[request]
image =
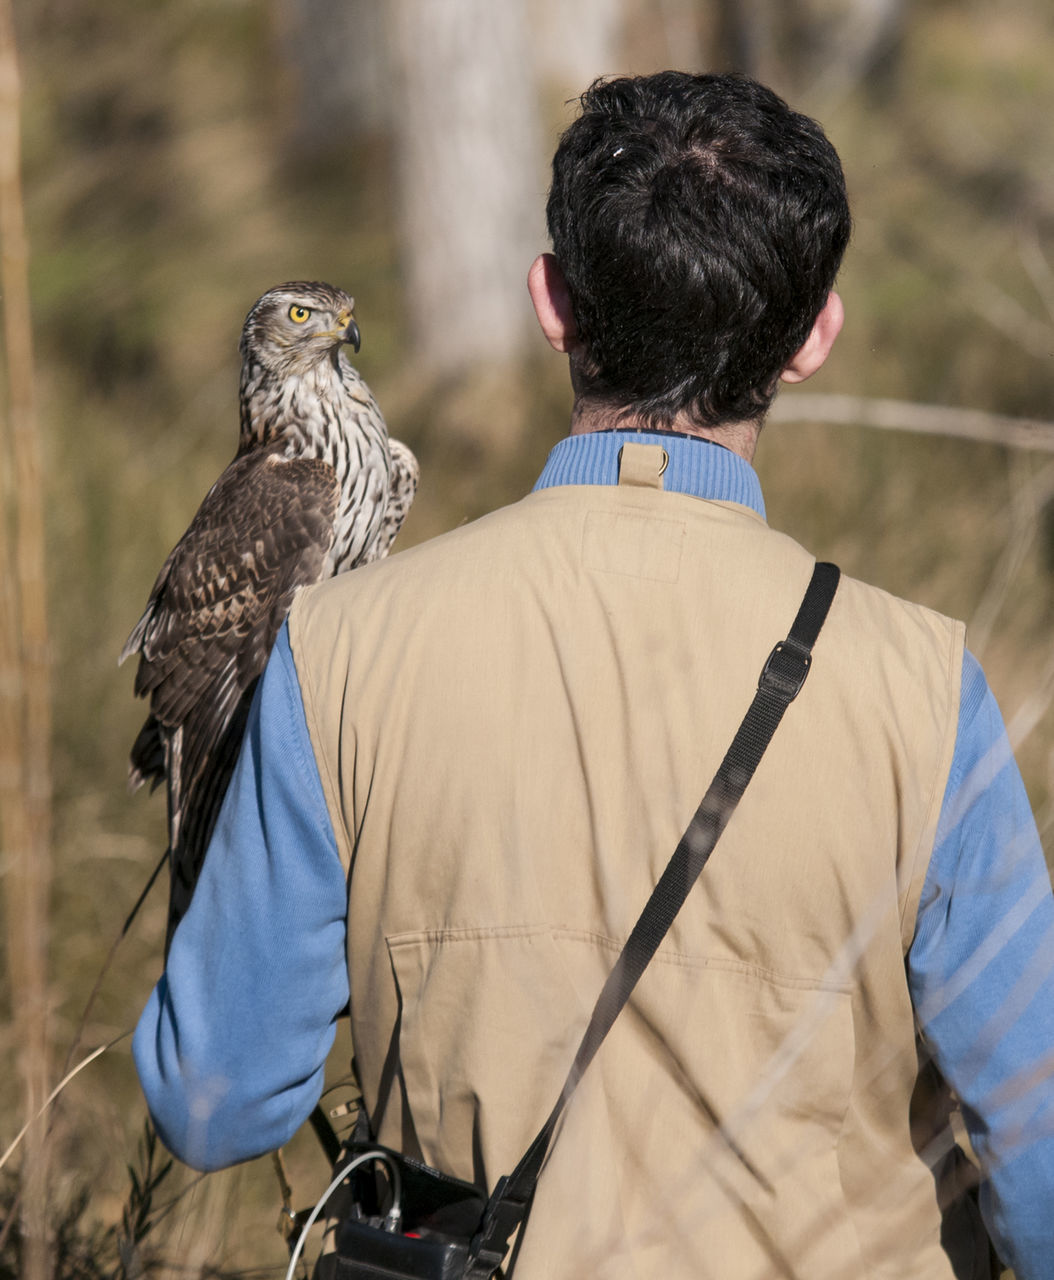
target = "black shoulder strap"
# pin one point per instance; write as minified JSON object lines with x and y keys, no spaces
{"x":779,"y":684}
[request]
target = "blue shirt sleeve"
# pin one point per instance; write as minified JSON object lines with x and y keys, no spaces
{"x":232,"y":1045}
{"x":981,"y":974}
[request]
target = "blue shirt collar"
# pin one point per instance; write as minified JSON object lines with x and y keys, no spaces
{"x":697,"y":467}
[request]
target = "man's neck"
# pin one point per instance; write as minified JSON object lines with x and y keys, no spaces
{"x":740,"y":437}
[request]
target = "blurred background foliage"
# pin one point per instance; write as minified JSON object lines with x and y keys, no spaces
{"x":182,"y":156}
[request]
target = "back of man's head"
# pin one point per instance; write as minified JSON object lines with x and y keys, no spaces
{"x":699,"y":223}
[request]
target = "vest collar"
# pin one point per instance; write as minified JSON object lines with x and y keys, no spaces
{"x":699,"y":468}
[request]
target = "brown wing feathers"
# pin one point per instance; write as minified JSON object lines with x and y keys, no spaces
{"x":262,"y":532}
{"x":316,"y":487}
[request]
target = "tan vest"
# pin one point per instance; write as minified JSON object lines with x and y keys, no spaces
{"x":513,"y":725}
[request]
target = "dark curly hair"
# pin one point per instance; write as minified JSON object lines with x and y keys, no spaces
{"x":700,"y":223}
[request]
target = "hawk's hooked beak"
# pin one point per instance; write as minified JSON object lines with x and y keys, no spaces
{"x":350,"y":330}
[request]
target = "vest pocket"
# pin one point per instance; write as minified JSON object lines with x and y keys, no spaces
{"x":705,"y":1133}
{"x":480,"y":1021}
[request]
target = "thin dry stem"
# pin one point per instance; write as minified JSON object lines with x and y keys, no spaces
{"x":1039,"y":269}
{"x":926,"y":419}
{"x":25,"y":778}
{"x":96,"y":1053}
{"x":1029,"y":495}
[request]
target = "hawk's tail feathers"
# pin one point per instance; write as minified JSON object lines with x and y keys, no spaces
{"x":146,"y":762}
{"x":134,"y":643}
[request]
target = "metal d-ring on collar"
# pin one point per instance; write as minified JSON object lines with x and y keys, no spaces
{"x":665,"y":459}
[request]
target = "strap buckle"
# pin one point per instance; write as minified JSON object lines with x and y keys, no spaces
{"x":505,"y":1211}
{"x":785,"y":671}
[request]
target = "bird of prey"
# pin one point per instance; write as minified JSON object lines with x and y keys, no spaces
{"x":316,"y":487}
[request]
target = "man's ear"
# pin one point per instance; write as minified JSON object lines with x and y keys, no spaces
{"x":817,"y":346}
{"x":552,"y":303}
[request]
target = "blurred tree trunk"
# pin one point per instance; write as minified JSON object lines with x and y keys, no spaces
{"x":861,"y":48}
{"x":25,"y":713}
{"x":821,"y":47}
{"x":471,"y":183}
{"x":337,"y":55}
{"x":576,"y":43}
{"x":744,"y":36}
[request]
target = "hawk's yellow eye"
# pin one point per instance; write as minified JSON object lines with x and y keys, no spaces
{"x":298,"y":314}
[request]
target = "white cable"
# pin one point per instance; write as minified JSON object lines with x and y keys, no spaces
{"x":393,"y":1214}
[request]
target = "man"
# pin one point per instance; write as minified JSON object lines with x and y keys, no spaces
{"x":466,"y":768}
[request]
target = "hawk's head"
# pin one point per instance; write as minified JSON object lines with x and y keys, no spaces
{"x":297,"y":325}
